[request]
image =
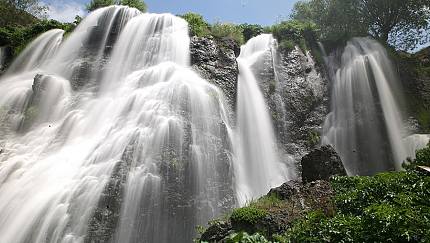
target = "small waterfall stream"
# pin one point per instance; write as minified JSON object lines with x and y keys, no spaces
{"x":259,"y":167}
{"x":365,"y":124}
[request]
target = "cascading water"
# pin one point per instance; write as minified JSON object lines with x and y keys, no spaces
{"x":112,"y":138}
{"x":38,"y":52}
{"x":258,"y":166}
{"x":365,"y":124}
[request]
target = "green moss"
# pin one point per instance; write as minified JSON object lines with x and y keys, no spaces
{"x":248,"y":215}
{"x":313,"y":139}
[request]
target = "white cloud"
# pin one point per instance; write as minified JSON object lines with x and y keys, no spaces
{"x":65,"y":11}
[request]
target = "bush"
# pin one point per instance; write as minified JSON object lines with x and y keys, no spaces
{"x":18,"y":37}
{"x":95,"y":4}
{"x":390,"y":207}
{"x":247,"y":215}
{"x":197,"y":25}
{"x":251,"y":30}
{"x":292,"y":33}
{"x":244,"y":237}
{"x":226,"y":30}
{"x":422,"y":158}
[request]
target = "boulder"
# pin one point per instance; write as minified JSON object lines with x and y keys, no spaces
{"x":217,"y":231}
{"x":286,"y":190}
{"x":321,"y":164}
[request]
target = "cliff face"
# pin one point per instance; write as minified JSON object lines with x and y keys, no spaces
{"x":215,"y":61}
{"x":297,"y":96}
{"x":295,"y":90}
{"x":414,"y":71}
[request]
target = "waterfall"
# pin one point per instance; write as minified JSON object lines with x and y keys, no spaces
{"x":365,"y":123}
{"x":258,"y":166}
{"x":111,"y":137}
{"x":38,"y":52}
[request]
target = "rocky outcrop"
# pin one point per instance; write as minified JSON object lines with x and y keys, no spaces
{"x":297,"y":95}
{"x":289,"y":202}
{"x":414,"y":71}
{"x":215,"y":61}
{"x":321,"y":164}
{"x":6,"y":56}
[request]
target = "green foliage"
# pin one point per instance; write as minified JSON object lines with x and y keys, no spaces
{"x":227,"y":30}
{"x":138,"y":4}
{"x":251,"y":30}
{"x":197,"y":25}
{"x":243,"y":237}
{"x":33,"y":7}
{"x":294,"y":32}
{"x":11,"y":16}
{"x":18,"y":37}
{"x":248,"y":215}
{"x":391,"y":207}
{"x":401,"y":23}
{"x":95,"y":4}
{"x":313,"y":139}
{"x":423,"y":117}
{"x":422,"y":158}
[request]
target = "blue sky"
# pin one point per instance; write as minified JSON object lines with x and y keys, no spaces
{"x":264,"y":12}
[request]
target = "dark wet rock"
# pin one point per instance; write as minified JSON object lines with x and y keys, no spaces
{"x":414,"y":71}
{"x":215,"y":61}
{"x":321,"y":164}
{"x":6,"y":56}
{"x":286,"y":190}
{"x":106,"y":215}
{"x":297,"y":95}
{"x":217,"y":231}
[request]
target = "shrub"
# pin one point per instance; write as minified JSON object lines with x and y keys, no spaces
{"x":197,"y":25}
{"x":250,"y":30}
{"x":390,"y":207}
{"x":227,"y":30}
{"x":247,"y":215}
{"x":422,"y":157}
{"x":243,"y":237}
{"x":293,"y":32}
{"x":18,"y":37}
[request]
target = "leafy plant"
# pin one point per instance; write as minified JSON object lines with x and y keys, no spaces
{"x":243,"y":237}
{"x":251,"y":30}
{"x":227,"y":30}
{"x":247,"y":215}
{"x":197,"y":25}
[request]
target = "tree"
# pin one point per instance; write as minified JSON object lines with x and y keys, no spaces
{"x":95,"y":4}
{"x":198,"y":26}
{"x":138,"y":4}
{"x":251,"y":30}
{"x":400,"y":23}
{"x":34,"y":7}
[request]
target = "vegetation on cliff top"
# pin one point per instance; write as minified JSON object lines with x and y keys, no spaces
{"x":95,"y":4}
{"x":403,"y":24}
